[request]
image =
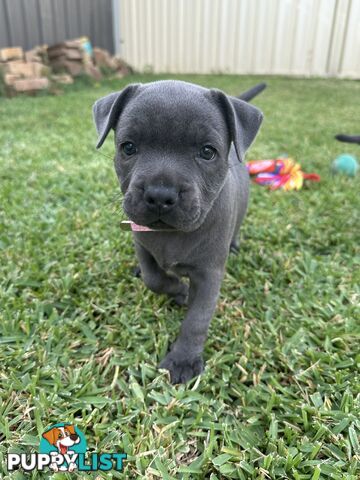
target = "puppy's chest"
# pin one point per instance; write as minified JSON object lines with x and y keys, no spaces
{"x":166,"y":259}
{"x":169,"y":253}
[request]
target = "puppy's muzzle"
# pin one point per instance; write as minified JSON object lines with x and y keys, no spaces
{"x":160,"y":199}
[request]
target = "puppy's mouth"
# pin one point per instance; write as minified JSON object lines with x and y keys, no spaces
{"x":63,"y":448}
{"x":181,"y":218}
{"x":162,"y":226}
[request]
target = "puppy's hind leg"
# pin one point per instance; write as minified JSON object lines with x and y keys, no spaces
{"x":159,"y":281}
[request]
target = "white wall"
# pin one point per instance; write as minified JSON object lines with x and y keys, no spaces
{"x":292,"y":37}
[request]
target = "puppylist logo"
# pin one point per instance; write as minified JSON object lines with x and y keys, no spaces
{"x":63,"y":449}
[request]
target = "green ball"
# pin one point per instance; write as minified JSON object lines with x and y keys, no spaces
{"x":346,"y":164}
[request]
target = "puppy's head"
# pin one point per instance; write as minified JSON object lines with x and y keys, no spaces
{"x":172,"y":142}
{"x":62,"y":437}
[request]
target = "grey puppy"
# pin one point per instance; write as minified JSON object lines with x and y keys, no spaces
{"x":179,"y":153}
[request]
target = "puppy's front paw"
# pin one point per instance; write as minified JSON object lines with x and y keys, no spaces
{"x":181,"y":298}
{"x":182,"y":369}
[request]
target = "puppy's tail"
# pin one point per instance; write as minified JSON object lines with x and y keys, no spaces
{"x":348,"y":138}
{"x":250,"y":94}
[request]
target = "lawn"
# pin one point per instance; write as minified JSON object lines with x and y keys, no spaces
{"x":81,"y":337}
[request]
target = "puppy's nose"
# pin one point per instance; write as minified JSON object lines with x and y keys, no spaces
{"x":74,"y":437}
{"x":160,"y":198}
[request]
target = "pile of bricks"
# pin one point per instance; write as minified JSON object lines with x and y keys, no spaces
{"x":43,"y":66}
{"x":73,"y":57}
{"x":23,"y":72}
{"x":116,"y":65}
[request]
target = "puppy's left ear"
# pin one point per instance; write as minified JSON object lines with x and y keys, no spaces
{"x":107,"y":110}
{"x":243,"y":120}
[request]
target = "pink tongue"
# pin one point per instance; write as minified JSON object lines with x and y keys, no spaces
{"x":140,"y":228}
{"x":63,"y":449}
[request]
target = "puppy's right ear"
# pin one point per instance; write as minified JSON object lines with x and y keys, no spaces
{"x":107,"y":110}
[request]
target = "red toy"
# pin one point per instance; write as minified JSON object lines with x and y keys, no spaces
{"x":280,"y":172}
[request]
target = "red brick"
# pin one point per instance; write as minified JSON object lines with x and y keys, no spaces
{"x":103,"y":58}
{"x":26,"y":69}
{"x":93,"y":71}
{"x":9,"y":79}
{"x":13,"y":53}
{"x":39,"y":69}
{"x":32,"y":56}
{"x":66,"y":53}
{"x":67,"y":44}
{"x":122,"y":66}
{"x":71,"y":66}
{"x":37,"y":54}
{"x":30,"y":84}
{"x":65,"y":79}
{"x":20,"y":68}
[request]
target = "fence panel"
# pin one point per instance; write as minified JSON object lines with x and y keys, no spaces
{"x":291,"y":37}
{"x":28,"y":23}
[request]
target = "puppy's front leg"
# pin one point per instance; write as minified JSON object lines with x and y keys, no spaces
{"x":157,"y":280}
{"x":185,"y":361}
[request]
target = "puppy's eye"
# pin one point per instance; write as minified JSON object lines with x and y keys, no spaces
{"x":129,"y":148}
{"x":207,"y":152}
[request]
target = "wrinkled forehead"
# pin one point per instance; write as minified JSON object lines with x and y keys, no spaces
{"x":172,"y":114}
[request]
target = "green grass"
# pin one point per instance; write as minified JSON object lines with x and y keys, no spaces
{"x":81,"y":337}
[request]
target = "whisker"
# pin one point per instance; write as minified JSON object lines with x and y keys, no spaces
{"x":102,"y":153}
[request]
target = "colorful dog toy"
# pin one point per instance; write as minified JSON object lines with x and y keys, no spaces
{"x":282,"y":172}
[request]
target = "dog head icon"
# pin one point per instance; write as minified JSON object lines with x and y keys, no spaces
{"x":62,"y":437}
